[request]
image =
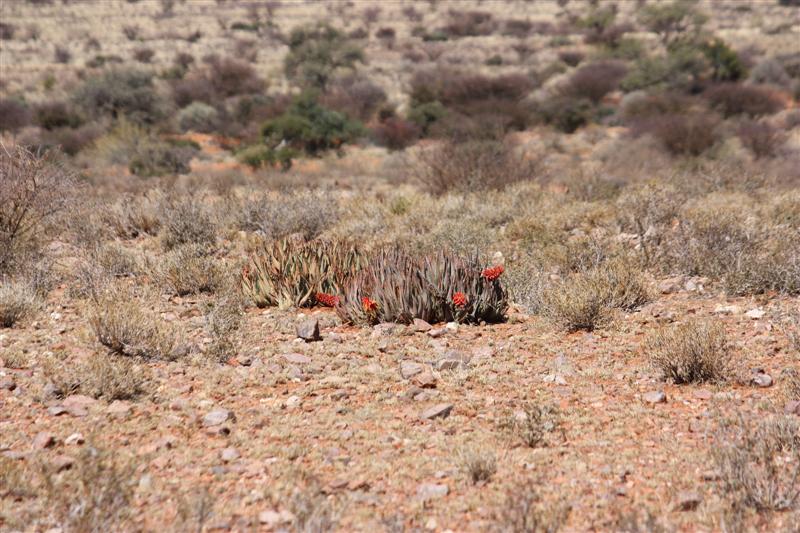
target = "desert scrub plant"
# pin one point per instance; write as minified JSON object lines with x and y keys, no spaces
{"x":129,"y":327}
{"x":291,"y":272}
{"x":188,"y":269}
{"x":534,"y":424}
{"x":759,"y":461}
{"x":107,"y":376}
{"x":525,"y":510}
{"x":17,"y":301}
{"x":35,"y":189}
{"x":95,"y":494}
{"x":223,"y":321}
{"x":308,"y":213}
{"x":186,"y":221}
{"x":479,"y":464}
{"x":395,"y":286}
{"x":690,"y":353}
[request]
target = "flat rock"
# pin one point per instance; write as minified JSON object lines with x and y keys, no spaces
{"x":218,"y":417}
{"x":308,"y":330}
{"x":56,"y":410}
{"x":296,"y":358}
{"x":62,"y":462}
{"x":441,"y":410}
{"x":437,"y":332}
{"x":655,"y":397}
{"x":409,"y":369}
{"x":78,"y":404}
{"x":425,"y":380}
{"x":44,"y":440}
{"x":761,"y":380}
{"x":420,"y":326}
{"x":275,"y":518}
{"x":229,"y":454}
{"x":431,"y":491}
{"x":703,"y":394}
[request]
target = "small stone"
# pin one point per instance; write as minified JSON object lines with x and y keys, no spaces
{"x":119,"y":409}
{"x":62,"y":462}
{"x":655,"y":397}
{"x":670,"y":285}
{"x":74,"y":439}
{"x":296,"y":358}
{"x":56,"y":410}
{"x":293,"y":402}
{"x":451,"y":327}
{"x":273,"y":519}
{"x":229,"y":454}
{"x":441,"y":410}
{"x":218,"y":417}
{"x":420,"y":325}
{"x":7,"y":383}
{"x":687,"y":501}
{"x":761,"y":380}
{"x":727,"y":310}
{"x":44,"y":440}
{"x":308,"y":330}
{"x":409,"y":369}
{"x":430,"y":491}
{"x":425,"y":380}
{"x":755,"y":314}
{"x":447,"y":364}
{"x":78,"y":404}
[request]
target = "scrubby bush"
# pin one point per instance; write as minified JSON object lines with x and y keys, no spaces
{"x":186,"y":221}
{"x":14,"y":115}
{"x":199,"y":117}
{"x":316,"y":53}
{"x":262,"y":156}
{"x":354,"y":96}
{"x":690,"y":353}
{"x":737,"y":99}
{"x":565,"y":113}
{"x":760,"y":137}
{"x":726,"y":66}
{"x":17,"y":301}
{"x":472,"y":166}
{"x":396,"y":133}
{"x":34,"y":191}
{"x":214,"y":81}
{"x":687,"y":134}
{"x":121,"y":92}
{"x":675,"y":21}
{"x":469,"y":24}
{"x":290,"y":213}
{"x":771,"y":72}
{"x":52,"y":115}
{"x":71,"y":141}
{"x":595,"y":80}
{"x":571,"y":57}
{"x":7,"y":31}
{"x":310,"y":127}
{"x":188,"y":269}
{"x":159,"y":158}
{"x":143,"y":55}
{"x":395,"y":286}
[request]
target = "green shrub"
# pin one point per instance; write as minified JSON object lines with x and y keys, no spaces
{"x":261,"y":156}
{"x":725,"y":63}
{"x":567,"y":114}
{"x":120,"y":92}
{"x":316,"y":52}
{"x":159,"y":158}
{"x":198,"y":116}
{"x":426,"y":114}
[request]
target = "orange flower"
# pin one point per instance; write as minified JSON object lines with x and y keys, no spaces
{"x":460,"y":299}
{"x":328,"y":300}
{"x":369,"y":305}
{"x":493,"y":273}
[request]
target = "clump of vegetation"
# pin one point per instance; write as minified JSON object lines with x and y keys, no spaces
{"x":685,"y":134}
{"x":534,"y":424}
{"x":223,"y":320}
{"x":282,"y":215}
{"x":188,"y":269}
{"x":595,"y":80}
{"x":17,"y":301}
{"x":761,"y":138}
{"x":107,"y":376}
{"x":690,"y":353}
{"x":121,"y":93}
{"x":478,"y":464}
{"x":290,"y":272}
{"x":395,"y":286}
{"x":737,"y":99}
{"x":525,"y":509}
{"x":759,"y":461}
{"x":14,"y":115}
{"x":126,"y":326}
{"x":317,"y":52}
{"x":187,"y":221}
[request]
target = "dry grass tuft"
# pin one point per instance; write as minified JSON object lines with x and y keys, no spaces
{"x":110,"y":377}
{"x":526,"y":510}
{"x":188,"y":269}
{"x":17,"y":301}
{"x":478,"y":464}
{"x":223,"y":320}
{"x":534,"y":424}
{"x":690,"y":353}
{"x":187,"y":221}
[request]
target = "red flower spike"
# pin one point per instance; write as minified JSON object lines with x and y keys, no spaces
{"x":460,"y":299}
{"x":493,"y":273}
{"x":328,"y":300}
{"x":369,"y":305}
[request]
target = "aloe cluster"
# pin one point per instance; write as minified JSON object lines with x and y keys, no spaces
{"x":289,"y":272}
{"x":397,"y":287}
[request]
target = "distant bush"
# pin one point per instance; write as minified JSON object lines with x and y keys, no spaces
{"x":57,"y":114}
{"x":316,"y":53}
{"x":17,"y":301}
{"x":121,"y":92}
{"x":761,"y":138}
{"x":310,"y":127}
{"x":566,"y":114}
{"x":219,"y":78}
{"x":7,"y":31}
{"x":199,"y":117}
{"x":355,"y":96}
{"x":187,"y":221}
{"x":62,"y":55}
{"x":71,"y":141}
{"x":143,"y":55}
{"x":517,"y":28}
{"x":689,"y":133}
{"x":14,"y":115}
{"x":396,"y":133}
{"x":725,"y":63}
{"x":674,"y":21}
{"x":262,"y":156}
{"x":596,"y":80}
{"x":571,"y":57}
{"x":283,"y":215}
{"x":426,"y":115}
{"x":160,"y":158}
{"x":770,"y":71}
{"x":472,"y":165}
{"x":737,"y":99}
{"x":469,"y":24}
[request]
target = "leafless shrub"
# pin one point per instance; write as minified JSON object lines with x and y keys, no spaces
{"x":143,"y":55}
{"x":134,"y":215}
{"x":355,"y":96}
{"x":759,"y":461}
{"x":128,"y":327}
{"x":62,"y":55}
{"x":761,"y":138}
{"x":14,"y":115}
{"x":34,"y":191}
{"x":478,"y":464}
{"x":472,"y":165}
{"x":305,"y":212}
{"x":534,"y":424}
{"x":470,"y":24}
{"x":17,"y":301}
{"x":690,"y":133}
{"x":131,"y":32}
{"x":690,"y":353}
{"x":595,"y":80}
{"x":7,"y":31}
{"x":105,"y":376}
{"x":739,"y":99}
{"x":186,"y":221}
{"x":525,"y":510}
